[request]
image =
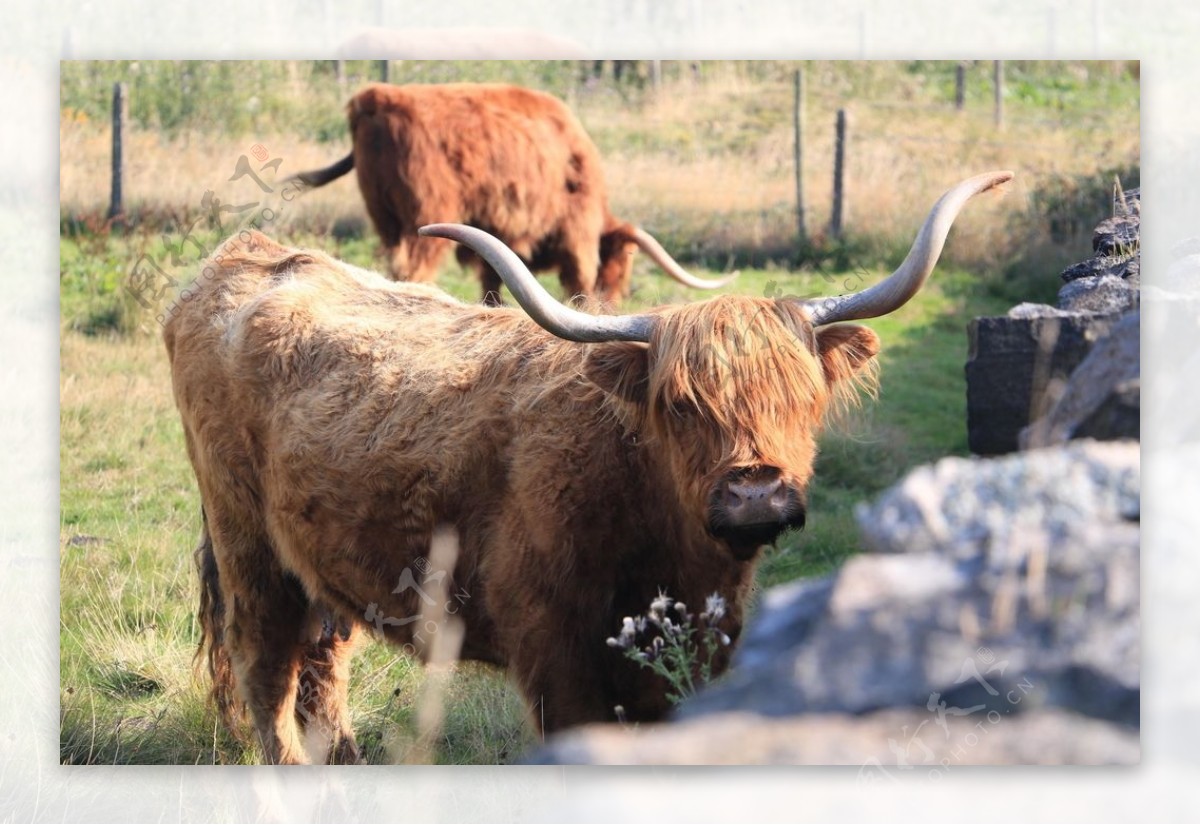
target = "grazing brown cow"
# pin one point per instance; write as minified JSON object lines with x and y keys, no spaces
{"x":511,"y":161}
{"x":585,"y":462}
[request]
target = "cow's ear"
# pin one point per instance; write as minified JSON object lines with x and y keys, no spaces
{"x":847,"y":354}
{"x":620,"y":370}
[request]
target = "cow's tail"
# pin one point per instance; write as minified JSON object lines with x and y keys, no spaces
{"x":211,"y":618}
{"x":320,"y":177}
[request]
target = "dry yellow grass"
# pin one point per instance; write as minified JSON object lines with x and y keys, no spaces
{"x":709,"y":164}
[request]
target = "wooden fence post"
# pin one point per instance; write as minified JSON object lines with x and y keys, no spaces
{"x":960,"y":85}
{"x":116,"y":208}
{"x":998,"y":84}
{"x":798,"y":129}
{"x":837,"y":220}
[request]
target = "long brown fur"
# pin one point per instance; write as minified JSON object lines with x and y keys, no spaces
{"x":335,"y":419}
{"x":512,"y":161}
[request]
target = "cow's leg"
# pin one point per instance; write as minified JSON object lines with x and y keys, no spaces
{"x":416,"y":258}
{"x":265,"y":612}
{"x":322,"y":708}
{"x":264,"y":649}
{"x":577,"y":279}
{"x":559,"y":678}
{"x":580,"y":266}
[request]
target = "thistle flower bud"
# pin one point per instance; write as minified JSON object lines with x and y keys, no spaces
{"x":714,"y":607}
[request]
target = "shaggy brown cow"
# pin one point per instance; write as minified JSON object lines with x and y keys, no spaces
{"x":514,"y":162}
{"x":335,"y":419}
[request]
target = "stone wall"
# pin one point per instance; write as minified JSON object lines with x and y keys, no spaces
{"x":1021,"y":368}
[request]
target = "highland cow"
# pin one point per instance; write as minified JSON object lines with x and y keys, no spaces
{"x":336,"y":419}
{"x":511,"y":161}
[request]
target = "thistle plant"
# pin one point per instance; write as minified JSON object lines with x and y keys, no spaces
{"x":669,"y":641}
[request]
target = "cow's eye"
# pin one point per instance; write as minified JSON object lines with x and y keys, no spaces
{"x":684,"y":411}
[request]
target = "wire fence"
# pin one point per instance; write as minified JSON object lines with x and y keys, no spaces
{"x":727,"y":195}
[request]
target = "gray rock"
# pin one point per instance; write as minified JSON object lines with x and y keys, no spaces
{"x":885,"y":744}
{"x":1028,"y":310}
{"x":1014,"y":577}
{"x":1105,"y":295}
{"x":1016,"y":365}
{"x":1127,"y":268}
{"x":1102,"y":398}
{"x":1118,"y":235}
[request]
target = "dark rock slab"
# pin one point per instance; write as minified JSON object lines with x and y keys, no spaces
{"x":1016,"y":366}
{"x":1102,"y":398}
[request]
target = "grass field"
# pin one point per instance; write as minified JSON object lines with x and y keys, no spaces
{"x":705,"y":167}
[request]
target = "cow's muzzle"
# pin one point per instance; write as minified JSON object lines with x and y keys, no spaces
{"x":750,"y":508}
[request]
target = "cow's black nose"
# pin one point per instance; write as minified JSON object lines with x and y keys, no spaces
{"x":749,"y":500}
{"x":752,"y":507}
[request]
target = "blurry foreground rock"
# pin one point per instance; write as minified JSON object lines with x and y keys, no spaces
{"x":996,"y":622}
{"x":886,"y":742}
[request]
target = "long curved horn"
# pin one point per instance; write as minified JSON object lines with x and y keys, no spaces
{"x":660,"y":256}
{"x":534,"y":299}
{"x":893,"y":292}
